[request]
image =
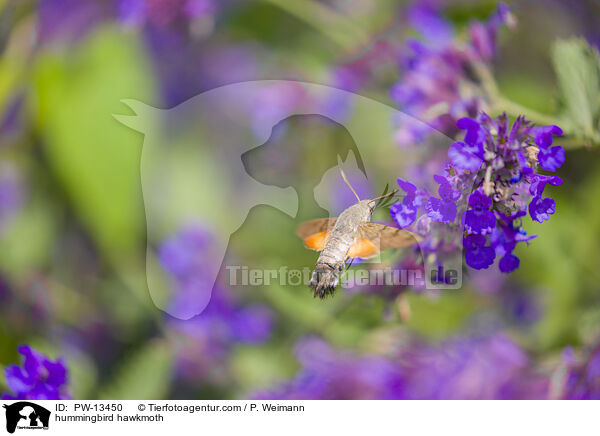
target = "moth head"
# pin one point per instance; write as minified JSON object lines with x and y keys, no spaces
{"x":372,"y":205}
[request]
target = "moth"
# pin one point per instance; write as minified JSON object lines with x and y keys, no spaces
{"x":351,"y":235}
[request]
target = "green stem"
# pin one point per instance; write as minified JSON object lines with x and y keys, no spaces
{"x":503,"y":104}
{"x":500,"y":103}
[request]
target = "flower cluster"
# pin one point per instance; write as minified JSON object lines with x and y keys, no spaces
{"x":39,"y":378}
{"x":436,"y":85}
{"x":491,"y":367}
{"x":493,"y":174}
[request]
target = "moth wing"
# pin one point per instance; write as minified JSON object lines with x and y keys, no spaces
{"x":311,"y":227}
{"x":363,"y":248}
{"x":317,"y":241}
{"x":385,"y":237}
{"x":315,"y":233}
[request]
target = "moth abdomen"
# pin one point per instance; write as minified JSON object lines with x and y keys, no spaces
{"x":324,"y":279}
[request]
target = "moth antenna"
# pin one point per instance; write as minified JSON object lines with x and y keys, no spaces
{"x":345,"y":179}
{"x":389,"y":194}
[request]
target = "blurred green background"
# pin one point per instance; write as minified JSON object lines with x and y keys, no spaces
{"x":73,"y":241}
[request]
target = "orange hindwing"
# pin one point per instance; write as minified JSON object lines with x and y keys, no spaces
{"x":316,"y":241}
{"x":363,"y":248}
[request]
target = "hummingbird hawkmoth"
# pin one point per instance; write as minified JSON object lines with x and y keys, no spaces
{"x":351,"y":235}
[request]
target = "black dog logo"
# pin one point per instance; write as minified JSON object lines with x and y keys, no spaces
{"x":29,"y":415}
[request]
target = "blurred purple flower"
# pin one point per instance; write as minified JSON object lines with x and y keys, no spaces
{"x":330,"y":374}
{"x":39,"y":378}
{"x":11,"y":195}
{"x":425,"y":18}
{"x":70,"y":19}
{"x":205,"y":341}
{"x":435,"y":77}
{"x":491,"y":367}
{"x":484,"y":35}
{"x":582,"y":380}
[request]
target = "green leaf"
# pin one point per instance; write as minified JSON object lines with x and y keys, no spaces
{"x":95,"y":158}
{"x":577,"y":67}
{"x":144,"y":376}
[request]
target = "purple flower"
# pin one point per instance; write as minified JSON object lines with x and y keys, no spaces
{"x":539,"y":181}
{"x":39,"y":378}
{"x":509,"y":263}
{"x":544,"y":135}
{"x":475,"y":133}
{"x":477,"y":254}
{"x":443,"y":210}
{"x":446,"y":191}
{"x":540,"y":208}
{"x":440,"y":211}
{"x":405,"y":213}
{"x":551,"y":159}
{"x":466,"y":157}
{"x":479,"y":219}
{"x":506,"y":238}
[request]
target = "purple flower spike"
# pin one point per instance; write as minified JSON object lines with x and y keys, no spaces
{"x":479,"y":219}
{"x":39,"y":378}
{"x":551,"y":159}
{"x":540,"y":208}
{"x":477,"y":254}
{"x":509,"y":263}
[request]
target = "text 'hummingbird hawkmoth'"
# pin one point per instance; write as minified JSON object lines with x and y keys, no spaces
{"x":351,"y":235}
